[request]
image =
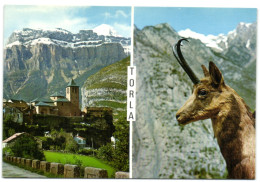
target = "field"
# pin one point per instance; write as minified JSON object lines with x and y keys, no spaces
{"x":85,"y":161}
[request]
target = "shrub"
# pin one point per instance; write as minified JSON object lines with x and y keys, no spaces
{"x":71,"y":145}
{"x":89,"y":152}
{"x":26,"y":146}
{"x":7,"y":151}
{"x":106,"y":152}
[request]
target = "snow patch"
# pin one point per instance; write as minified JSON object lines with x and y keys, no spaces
{"x":248,"y":44}
{"x":106,"y":30}
{"x":209,"y":40}
{"x":13,"y":43}
{"x":47,"y":41}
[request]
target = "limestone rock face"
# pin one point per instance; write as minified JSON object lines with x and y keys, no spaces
{"x":107,"y":88}
{"x":38,"y":63}
{"x":162,"y":148}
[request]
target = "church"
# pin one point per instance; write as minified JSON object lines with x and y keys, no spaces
{"x":60,"y":105}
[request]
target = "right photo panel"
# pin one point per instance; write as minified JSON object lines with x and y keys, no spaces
{"x":196,"y":93}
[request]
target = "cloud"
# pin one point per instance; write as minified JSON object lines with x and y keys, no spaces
{"x":71,"y":18}
{"x":117,"y":14}
{"x":123,"y":29}
{"x":44,"y":17}
{"x":121,"y":13}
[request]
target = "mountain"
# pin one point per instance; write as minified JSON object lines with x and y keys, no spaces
{"x":107,"y":88}
{"x":162,"y":148}
{"x":106,"y":30}
{"x":39,"y":62}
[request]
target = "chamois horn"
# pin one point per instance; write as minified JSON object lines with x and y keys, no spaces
{"x":182,"y":61}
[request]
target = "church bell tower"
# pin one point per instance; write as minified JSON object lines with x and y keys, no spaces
{"x":72,"y":93}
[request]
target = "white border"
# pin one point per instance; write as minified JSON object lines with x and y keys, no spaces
{"x":137,"y":3}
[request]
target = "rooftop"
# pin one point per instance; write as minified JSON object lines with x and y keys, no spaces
{"x":57,"y":94}
{"x":12,"y":137}
{"x":72,"y":84}
{"x":42,"y":104}
{"x":62,"y":100}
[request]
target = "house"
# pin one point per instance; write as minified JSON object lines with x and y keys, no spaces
{"x":11,"y":140}
{"x":20,"y":104}
{"x":58,"y":104}
{"x":17,"y":114}
{"x":81,"y":141}
{"x":98,"y":111}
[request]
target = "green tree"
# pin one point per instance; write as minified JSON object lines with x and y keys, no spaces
{"x":71,"y":145}
{"x":26,"y":146}
{"x":121,"y":134}
{"x":106,"y":152}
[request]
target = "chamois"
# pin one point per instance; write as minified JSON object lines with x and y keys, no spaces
{"x":232,"y":121}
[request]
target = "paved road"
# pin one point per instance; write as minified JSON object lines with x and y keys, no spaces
{"x":10,"y":171}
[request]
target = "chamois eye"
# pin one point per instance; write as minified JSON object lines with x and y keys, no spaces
{"x":202,"y":92}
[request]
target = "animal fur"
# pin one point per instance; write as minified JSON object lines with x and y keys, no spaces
{"x":232,"y":121}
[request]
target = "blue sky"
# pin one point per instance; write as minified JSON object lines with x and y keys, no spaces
{"x":201,"y":20}
{"x":72,"y":18}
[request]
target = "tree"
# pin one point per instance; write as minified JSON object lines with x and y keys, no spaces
{"x":118,"y":157}
{"x":121,"y":155}
{"x":106,"y":152}
{"x":26,"y":146}
{"x":71,"y":145}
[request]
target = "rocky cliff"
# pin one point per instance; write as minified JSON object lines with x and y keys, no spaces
{"x":162,"y":148}
{"x":39,"y":62}
{"x":107,"y":88}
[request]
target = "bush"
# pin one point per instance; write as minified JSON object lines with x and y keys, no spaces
{"x":7,"y":151}
{"x":71,"y":146}
{"x":26,"y":146}
{"x":106,"y":152}
{"x":47,"y":142}
{"x":89,"y":152}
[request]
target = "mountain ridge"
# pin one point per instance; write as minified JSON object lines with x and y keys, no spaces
{"x":47,"y":60}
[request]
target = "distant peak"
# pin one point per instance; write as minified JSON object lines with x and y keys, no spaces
{"x":106,"y":30}
{"x":244,"y":24}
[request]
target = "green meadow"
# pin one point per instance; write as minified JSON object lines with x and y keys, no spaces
{"x":75,"y":159}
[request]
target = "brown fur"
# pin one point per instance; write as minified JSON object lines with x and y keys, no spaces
{"x":233,"y":123}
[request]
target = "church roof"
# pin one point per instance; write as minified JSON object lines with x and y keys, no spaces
{"x":57,"y":94}
{"x":46,"y":100}
{"x":35,"y":100}
{"x":72,"y":83}
{"x":41,"y":104}
{"x":61,"y":100}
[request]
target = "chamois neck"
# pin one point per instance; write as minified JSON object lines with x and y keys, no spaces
{"x":234,"y":129}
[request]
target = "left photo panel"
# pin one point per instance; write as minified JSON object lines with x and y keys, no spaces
{"x":65,"y":91}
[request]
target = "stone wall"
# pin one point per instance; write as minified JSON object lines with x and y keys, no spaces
{"x":67,"y":170}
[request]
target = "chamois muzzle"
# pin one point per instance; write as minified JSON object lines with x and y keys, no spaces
{"x":177,"y":51}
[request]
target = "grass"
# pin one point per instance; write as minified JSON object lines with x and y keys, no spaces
{"x":86,"y":161}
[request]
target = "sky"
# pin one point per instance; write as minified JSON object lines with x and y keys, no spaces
{"x":71,"y":18}
{"x":206,"y":21}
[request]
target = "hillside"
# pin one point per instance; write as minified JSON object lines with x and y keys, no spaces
{"x":107,"y":88}
{"x":162,"y":148}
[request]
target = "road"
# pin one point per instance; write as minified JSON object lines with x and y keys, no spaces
{"x":10,"y":171}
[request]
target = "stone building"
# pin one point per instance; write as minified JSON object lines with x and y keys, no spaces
{"x":98,"y":111}
{"x":60,"y":105}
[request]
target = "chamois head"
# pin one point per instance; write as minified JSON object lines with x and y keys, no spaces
{"x":206,"y":95}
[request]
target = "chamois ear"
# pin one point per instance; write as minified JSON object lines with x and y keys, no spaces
{"x":215,"y":74}
{"x":205,"y":71}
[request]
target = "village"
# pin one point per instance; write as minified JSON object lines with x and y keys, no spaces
{"x":58,"y":106}
{"x":57,"y":126}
